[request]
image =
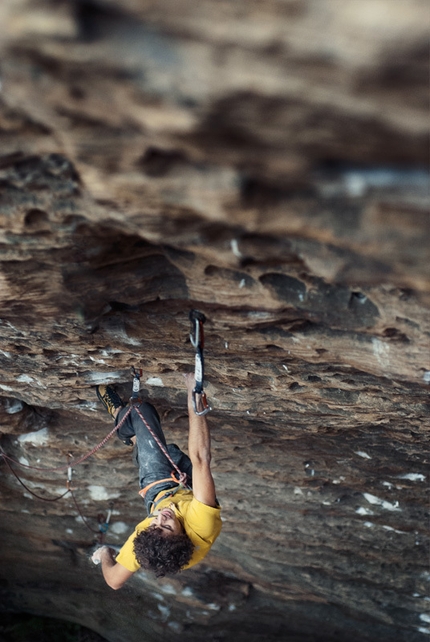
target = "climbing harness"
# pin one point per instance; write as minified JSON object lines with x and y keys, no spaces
{"x":172,"y":477}
{"x":201,"y":406}
{"x":168,"y":493}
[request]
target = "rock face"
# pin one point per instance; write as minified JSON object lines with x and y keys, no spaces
{"x":264,"y":163}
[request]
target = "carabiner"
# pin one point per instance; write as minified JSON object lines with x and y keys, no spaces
{"x":135,"y":399}
{"x":197,"y":341}
{"x":197,"y":335}
{"x":204,"y":402}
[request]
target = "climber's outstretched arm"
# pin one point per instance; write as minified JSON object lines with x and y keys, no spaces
{"x":115,"y":574}
{"x":199,"y":450}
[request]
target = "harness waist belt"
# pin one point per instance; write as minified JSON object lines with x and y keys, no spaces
{"x":172,"y":477}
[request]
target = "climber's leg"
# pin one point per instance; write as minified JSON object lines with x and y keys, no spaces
{"x":152,"y":462}
{"x":182,"y":461}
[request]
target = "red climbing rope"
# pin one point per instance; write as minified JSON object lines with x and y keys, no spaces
{"x":45,"y":499}
{"x":182,"y":476}
{"x":73,"y":463}
{"x":101,"y":533}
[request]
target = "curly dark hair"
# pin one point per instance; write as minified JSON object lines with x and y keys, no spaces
{"x":160,"y":554}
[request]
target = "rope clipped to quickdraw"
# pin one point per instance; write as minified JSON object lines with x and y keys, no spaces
{"x":200,"y":405}
{"x":135,"y":397}
{"x":104,"y":523}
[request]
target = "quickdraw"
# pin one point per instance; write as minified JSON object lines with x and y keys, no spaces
{"x":200,"y":405}
{"x":135,"y":397}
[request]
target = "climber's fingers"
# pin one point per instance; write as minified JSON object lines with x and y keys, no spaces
{"x":189,"y":380}
{"x":96,"y":556}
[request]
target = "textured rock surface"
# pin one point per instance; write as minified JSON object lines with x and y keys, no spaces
{"x":262,"y":162}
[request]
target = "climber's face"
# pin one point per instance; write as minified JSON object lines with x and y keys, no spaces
{"x":167,"y":523}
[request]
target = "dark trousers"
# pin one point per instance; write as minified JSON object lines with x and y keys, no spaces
{"x":150,"y":459}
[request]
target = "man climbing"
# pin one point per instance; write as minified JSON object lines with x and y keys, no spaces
{"x":182,"y":524}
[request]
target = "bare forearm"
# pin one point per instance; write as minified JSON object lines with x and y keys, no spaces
{"x":199,"y":450}
{"x":107,"y":562}
{"x":199,"y":440}
{"x":115,"y":575}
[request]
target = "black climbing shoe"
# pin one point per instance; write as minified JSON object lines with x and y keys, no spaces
{"x":109,"y":398}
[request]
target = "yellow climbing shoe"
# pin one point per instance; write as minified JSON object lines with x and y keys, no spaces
{"x":109,"y":398}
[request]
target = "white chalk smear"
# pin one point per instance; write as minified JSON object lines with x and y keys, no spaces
{"x":413,"y":477}
{"x":103,"y":377}
{"x":187,"y":591}
{"x":364,"y":511}
{"x":102,"y":361}
{"x":175,"y":626}
{"x":381,"y":502}
{"x":235,"y":248}
{"x":100,"y":493}
{"x":12,"y":406}
{"x":389,"y":528}
{"x":155,"y":381}
{"x":165,"y":611}
{"x":361,"y":453}
{"x":119,"y":528}
{"x":381,"y":351}
{"x":25,"y":379}
{"x":38,"y":438}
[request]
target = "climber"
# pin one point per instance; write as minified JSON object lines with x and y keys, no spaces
{"x":182,"y":524}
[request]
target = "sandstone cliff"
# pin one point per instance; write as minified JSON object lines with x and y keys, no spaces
{"x":264,"y":163}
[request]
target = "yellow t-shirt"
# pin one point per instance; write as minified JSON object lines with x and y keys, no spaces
{"x":201,"y":523}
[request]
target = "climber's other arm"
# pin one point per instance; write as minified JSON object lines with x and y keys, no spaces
{"x":115,"y":574}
